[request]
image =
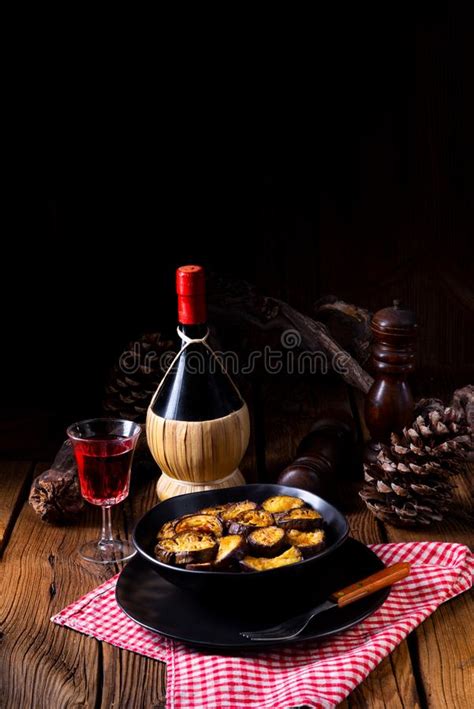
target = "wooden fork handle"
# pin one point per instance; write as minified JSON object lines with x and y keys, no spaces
{"x":373,"y":583}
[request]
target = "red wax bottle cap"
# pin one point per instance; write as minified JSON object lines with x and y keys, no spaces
{"x":191,"y":290}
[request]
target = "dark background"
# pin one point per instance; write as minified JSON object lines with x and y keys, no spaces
{"x":347,"y":170}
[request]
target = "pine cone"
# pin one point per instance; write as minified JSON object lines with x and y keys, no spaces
{"x":134,"y":379}
{"x":409,"y":482}
{"x":463,"y":401}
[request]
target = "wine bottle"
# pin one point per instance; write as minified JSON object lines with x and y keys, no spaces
{"x":197,"y":422}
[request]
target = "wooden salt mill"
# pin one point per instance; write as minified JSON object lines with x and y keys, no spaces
{"x":320,"y":459}
{"x":197,"y":423}
{"x":389,"y":401}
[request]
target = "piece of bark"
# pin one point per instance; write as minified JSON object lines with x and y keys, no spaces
{"x":317,"y":339}
{"x":233,"y":302}
{"x":348,"y":324}
{"x":55,"y":495}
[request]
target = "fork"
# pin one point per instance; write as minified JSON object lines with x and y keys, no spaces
{"x":294,"y":626}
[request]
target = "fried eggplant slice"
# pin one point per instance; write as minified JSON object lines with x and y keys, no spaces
{"x":231,"y":548}
{"x":216,"y":510}
{"x":187,"y":548}
{"x":282,"y":503}
{"x":167,"y":530}
{"x":254,"y":563}
{"x":165,"y":550}
{"x":309,"y":543}
{"x":235,"y":509}
{"x":206,"y":566}
{"x":208,"y":524}
{"x":266,"y":541}
{"x":302,"y":518}
{"x":246,"y":522}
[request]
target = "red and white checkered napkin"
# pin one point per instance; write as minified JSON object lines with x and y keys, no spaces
{"x":311,"y":674}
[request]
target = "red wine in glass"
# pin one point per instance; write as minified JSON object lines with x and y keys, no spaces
{"x":104,"y":451}
{"x":104,"y":469}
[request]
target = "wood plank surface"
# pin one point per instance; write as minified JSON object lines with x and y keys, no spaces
{"x":445,"y":649}
{"x":444,"y":643}
{"x":49,"y":666}
{"x":39,"y":574}
{"x":14,"y":479}
{"x":390,"y":686}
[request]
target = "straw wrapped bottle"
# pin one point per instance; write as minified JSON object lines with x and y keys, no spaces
{"x":197,"y":422}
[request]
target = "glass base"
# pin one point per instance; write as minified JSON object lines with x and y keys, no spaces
{"x":110,"y":552}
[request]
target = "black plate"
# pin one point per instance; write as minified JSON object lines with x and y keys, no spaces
{"x":162,"y":607}
{"x":227,"y":583}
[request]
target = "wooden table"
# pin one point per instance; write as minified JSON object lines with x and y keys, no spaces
{"x":44,"y":665}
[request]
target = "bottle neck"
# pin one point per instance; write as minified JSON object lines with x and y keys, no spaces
{"x":195,"y":332}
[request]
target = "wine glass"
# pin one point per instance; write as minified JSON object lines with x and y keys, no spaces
{"x":104,"y":449}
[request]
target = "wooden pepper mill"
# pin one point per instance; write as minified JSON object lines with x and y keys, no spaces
{"x":389,"y":401}
{"x":320,"y":456}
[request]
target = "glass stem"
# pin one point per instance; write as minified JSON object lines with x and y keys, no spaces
{"x":106,"y":533}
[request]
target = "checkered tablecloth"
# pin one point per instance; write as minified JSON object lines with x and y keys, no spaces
{"x":313,"y":674}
